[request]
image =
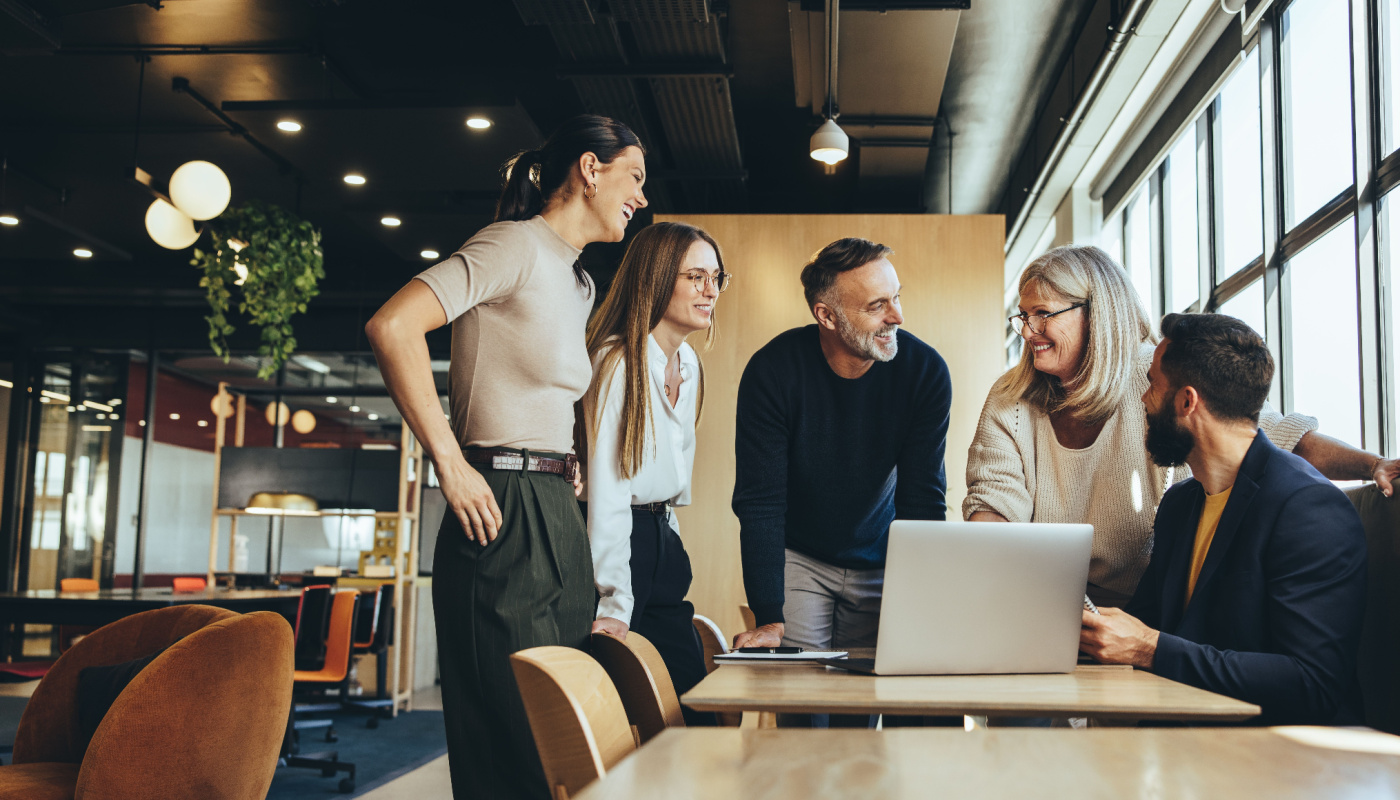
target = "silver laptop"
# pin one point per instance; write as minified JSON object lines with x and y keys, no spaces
{"x":965,"y":598}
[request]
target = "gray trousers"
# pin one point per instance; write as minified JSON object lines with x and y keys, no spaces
{"x":829,"y":608}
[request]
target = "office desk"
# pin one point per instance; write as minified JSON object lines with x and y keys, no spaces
{"x":52,"y":607}
{"x":1103,"y":692}
{"x":1108,"y":763}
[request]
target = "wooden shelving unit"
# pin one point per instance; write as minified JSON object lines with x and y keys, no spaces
{"x":401,"y":653}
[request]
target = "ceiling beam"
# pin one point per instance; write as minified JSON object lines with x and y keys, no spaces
{"x":479,"y":99}
{"x":647,"y":71}
{"x":182,"y":85}
{"x":33,"y":20}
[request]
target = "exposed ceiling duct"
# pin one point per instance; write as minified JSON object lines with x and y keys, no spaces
{"x":660,"y":66}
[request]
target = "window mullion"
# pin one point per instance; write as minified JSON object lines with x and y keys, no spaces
{"x":1276,"y":289}
{"x":1371,"y":334}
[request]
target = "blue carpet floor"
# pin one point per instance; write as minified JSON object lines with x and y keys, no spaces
{"x":397,"y":746}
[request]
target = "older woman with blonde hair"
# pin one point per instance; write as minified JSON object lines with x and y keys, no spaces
{"x":1062,"y":434}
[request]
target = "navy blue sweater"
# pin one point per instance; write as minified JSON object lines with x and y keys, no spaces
{"x":823,"y":464}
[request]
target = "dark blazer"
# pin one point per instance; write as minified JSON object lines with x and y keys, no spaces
{"x":1275,"y":619}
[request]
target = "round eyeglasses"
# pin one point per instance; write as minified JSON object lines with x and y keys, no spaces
{"x":699,"y":279}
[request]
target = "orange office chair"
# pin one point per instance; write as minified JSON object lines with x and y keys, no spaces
{"x":335,"y":671}
{"x":374,"y":632}
{"x":68,"y":635}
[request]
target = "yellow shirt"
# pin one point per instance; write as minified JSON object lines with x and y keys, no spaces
{"x":1205,"y":532}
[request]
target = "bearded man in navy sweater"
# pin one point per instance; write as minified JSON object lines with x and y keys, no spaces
{"x":842,"y":427}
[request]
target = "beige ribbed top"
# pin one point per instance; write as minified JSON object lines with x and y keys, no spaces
{"x":1018,"y":468}
{"x":519,"y":361}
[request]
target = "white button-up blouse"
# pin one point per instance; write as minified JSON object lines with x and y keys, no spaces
{"x":664,"y":475}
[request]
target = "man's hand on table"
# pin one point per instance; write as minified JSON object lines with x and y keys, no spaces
{"x":770,"y":635}
{"x":1116,"y":637}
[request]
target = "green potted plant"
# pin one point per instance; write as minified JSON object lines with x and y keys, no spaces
{"x":273,"y":260}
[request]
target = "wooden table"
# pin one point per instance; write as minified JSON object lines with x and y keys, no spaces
{"x":1109,"y":763}
{"x":52,"y":607}
{"x":1102,"y":692}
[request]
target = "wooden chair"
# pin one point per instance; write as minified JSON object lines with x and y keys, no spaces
{"x":642,"y":680}
{"x":713,"y":642}
{"x":576,"y":716}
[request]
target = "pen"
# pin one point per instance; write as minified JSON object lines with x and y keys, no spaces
{"x":1089,"y":605}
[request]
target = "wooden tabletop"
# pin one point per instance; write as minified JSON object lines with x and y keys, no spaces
{"x":1109,"y":763}
{"x":1104,"y":692}
{"x":154,"y":595}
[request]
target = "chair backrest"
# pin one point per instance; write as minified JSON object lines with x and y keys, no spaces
{"x":78,"y":585}
{"x":1379,"y":654}
{"x":339,"y":641}
{"x":48,"y":730}
{"x":642,"y":680}
{"x":711,"y":641}
{"x":313,"y":626}
{"x":367,"y":621}
{"x":576,"y":716}
{"x":750,"y":621}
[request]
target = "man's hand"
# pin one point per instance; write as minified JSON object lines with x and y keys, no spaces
{"x":469,"y":497}
{"x":1384,"y":473}
{"x":770,"y":635}
{"x":612,"y":627}
{"x":1116,"y":637}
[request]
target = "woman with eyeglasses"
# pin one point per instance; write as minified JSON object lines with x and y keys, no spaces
{"x":1062,"y":434}
{"x":640,"y":413}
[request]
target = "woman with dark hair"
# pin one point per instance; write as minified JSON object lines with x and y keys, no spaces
{"x":512,"y":568}
{"x":641,"y":409}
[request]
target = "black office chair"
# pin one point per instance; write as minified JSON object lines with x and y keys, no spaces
{"x":374,"y":633}
{"x":332,"y":673}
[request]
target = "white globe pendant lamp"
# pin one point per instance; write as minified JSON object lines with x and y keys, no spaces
{"x":830,"y":144}
{"x":170,"y":227}
{"x":200,"y":189}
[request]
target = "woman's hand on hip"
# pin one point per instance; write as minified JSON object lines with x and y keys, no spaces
{"x":612,"y":627}
{"x":470,"y":498}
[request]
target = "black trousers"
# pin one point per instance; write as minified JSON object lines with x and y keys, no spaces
{"x":531,"y":586}
{"x":660,"y":580}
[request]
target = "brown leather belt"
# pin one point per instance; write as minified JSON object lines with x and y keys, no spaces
{"x":654,"y":508}
{"x":566,"y":468}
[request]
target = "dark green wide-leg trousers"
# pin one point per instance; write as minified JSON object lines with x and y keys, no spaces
{"x":531,"y":586}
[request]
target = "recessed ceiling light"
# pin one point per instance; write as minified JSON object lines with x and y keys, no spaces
{"x":82,"y":252}
{"x":392,"y":222}
{"x":332,"y":400}
{"x":355,"y":179}
{"x":8,"y":219}
{"x":289,"y":125}
{"x":203,"y":423}
{"x":373,"y":417}
{"x":174,"y":416}
{"x":478,"y":123}
{"x":354,"y":409}
{"x":429,"y":254}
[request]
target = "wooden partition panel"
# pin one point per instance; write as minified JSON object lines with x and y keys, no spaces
{"x":951,"y":268}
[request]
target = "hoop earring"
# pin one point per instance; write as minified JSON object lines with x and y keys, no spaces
{"x":592,"y":186}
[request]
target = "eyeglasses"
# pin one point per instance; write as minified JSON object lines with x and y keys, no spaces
{"x":699,"y":279}
{"x":1021,"y":321}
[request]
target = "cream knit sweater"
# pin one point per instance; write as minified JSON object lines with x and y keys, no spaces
{"x":1017,"y":468}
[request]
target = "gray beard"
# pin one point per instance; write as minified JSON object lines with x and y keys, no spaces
{"x":864,"y":343}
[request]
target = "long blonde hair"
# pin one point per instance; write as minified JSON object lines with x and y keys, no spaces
{"x":636,"y":303}
{"x":1117,"y":327}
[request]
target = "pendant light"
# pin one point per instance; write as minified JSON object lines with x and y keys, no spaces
{"x":830,"y":144}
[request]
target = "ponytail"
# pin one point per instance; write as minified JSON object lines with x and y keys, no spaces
{"x":532,"y":177}
{"x":520,"y":196}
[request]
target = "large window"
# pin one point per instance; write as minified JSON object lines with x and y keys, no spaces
{"x":1241,"y":176}
{"x":1183,"y":223}
{"x":1274,"y":162}
{"x":1316,"y":105}
{"x":1324,"y":362}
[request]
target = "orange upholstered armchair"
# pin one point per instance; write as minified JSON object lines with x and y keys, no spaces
{"x":203,"y":720}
